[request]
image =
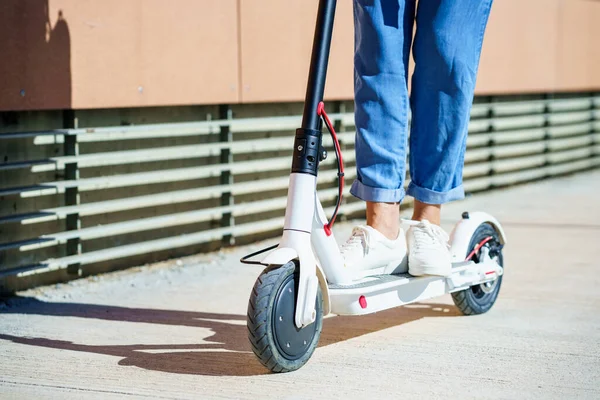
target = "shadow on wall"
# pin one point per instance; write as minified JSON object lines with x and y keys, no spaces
{"x":35,"y":49}
{"x":225,"y":351}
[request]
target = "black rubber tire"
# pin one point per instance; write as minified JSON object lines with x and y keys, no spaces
{"x":473,"y":301}
{"x":261,"y":320}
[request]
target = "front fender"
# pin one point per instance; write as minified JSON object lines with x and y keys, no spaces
{"x":280,"y":256}
{"x":283,"y":255}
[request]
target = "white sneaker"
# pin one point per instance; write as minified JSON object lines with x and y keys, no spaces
{"x":368,"y":252}
{"x":428,"y":249}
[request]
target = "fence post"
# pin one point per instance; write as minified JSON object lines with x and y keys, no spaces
{"x":227,"y":219}
{"x":593,"y":119}
{"x":491,"y":113}
{"x":547,"y":135}
{"x":338,"y":124}
{"x":71,"y":172}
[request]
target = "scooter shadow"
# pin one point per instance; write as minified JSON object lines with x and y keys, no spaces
{"x":225,"y":353}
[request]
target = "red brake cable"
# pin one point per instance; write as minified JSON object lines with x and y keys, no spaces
{"x":340,"y":165}
{"x":479,"y":246}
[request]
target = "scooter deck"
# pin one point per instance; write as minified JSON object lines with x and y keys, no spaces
{"x":380,"y":292}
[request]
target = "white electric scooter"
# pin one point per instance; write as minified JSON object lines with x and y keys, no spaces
{"x":306,"y":279}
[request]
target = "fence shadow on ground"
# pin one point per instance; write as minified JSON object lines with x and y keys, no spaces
{"x":224,"y":353}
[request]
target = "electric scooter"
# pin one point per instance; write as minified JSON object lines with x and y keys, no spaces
{"x":305,"y":278}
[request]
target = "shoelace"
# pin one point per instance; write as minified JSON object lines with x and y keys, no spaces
{"x":359,"y":238}
{"x":427,"y":235}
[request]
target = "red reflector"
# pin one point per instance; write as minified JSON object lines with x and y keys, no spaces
{"x":490,"y":272}
{"x":362,"y":301}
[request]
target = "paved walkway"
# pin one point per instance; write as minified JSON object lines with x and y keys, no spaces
{"x":176,"y":330}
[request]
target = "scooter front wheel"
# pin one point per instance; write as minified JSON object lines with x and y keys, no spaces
{"x":279,"y":345}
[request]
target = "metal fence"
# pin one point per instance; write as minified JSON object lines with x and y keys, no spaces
{"x":183,"y":185}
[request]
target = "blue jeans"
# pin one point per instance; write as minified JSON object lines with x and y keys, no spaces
{"x":446,"y":50}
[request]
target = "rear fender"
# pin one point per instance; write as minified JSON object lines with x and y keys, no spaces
{"x":463,"y":231}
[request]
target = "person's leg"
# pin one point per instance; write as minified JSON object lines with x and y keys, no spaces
{"x":446,"y":51}
{"x":383,"y":34}
{"x":383,"y":31}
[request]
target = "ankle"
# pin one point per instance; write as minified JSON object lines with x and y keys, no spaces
{"x":430,"y":212}
{"x":385,"y":218}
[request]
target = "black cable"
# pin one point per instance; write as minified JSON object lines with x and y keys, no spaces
{"x":245,"y":260}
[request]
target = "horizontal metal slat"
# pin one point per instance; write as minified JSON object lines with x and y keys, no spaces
{"x":577,"y":141}
{"x":137,"y":156}
{"x":479,"y":125}
{"x":478,"y":154}
{"x":25,"y":135}
{"x":517,"y":177}
{"x":153,"y":131}
{"x":570,"y":155}
{"x":478,"y":140}
{"x":528,"y":121}
{"x":570,"y":117}
{"x":22,"y":271}
{"x":265,"y":124}
{"x":28,"y":164}
{"x":520,"y":163}
{"x":161,"y":154}
{"x":570,"y":130}
{"x":558,"y":105}
{"x":471,"y":170}
{"x":134,"y":132}
{"x":517,"y":150}
{"x":520,"y":135}
{"x":116,"y":181}
{"x":479,"y":110}
{"x":569,"y":167}
{"x":475,"y":185}
{"x":123,"y":132}
{"x":510,"y":123}
{"x":504,"y":108}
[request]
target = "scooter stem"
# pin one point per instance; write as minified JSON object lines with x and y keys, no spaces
{"x":318,"y":64}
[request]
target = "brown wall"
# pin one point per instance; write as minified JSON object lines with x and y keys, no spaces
{"x":118,"y":53}
{"x":134,"y":53}
{"x":541,"y":46}
{"x":275,"y":55}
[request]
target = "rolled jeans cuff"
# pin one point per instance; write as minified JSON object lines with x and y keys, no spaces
{"x":377,"y":195}
{"x":429,"y":196}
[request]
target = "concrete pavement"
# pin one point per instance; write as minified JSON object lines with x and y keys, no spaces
{"x":177,"y":329}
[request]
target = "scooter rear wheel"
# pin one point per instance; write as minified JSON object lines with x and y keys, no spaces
{"x":478,"y":299}
{"x":279,"y":345}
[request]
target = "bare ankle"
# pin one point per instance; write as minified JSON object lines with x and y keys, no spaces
{"x":385,"y":217}
{"x":430,"y":212}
